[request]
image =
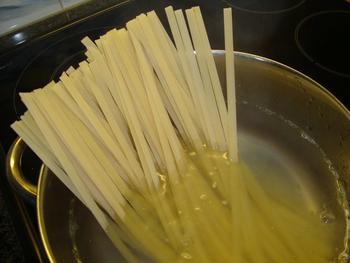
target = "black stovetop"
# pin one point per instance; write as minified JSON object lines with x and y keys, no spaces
{"x":312,"y":36}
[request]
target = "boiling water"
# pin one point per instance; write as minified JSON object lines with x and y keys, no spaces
{"x":296,"y":171}
{"x":267,"y":208}
{"x":293,"y":181}
{"x":302,"y":206}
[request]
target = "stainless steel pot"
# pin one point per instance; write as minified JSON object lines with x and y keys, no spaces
{"x":290,"y":111}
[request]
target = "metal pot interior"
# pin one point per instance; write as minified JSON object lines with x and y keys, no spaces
{"x":299,"y":128}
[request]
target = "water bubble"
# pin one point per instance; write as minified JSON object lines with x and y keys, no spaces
{"x":191,"y":167}
{"x":197,"y":209}
{"x":185,"y":242}
{"x":162,"y":177}
{"x":225,"y":155}
{"x":215,"y":168}
{"x":211,"y":173}
{"x":179,"y":212}
{"x":327,"y":217}
{"x":269,"y":112}
{"x":343,"y":257}
{"x":172,"y":222}
{"x":308,"y":138}
{"x":193,"y":153}
{"x":203,"y":197}
{"x":186,"y":255}
{"x":214,"y":185}
{"x":224,"y":202}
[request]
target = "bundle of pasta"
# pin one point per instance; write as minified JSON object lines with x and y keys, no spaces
{"x":142,"y":135}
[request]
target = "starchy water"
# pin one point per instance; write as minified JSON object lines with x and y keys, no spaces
{"x":281,"y":203}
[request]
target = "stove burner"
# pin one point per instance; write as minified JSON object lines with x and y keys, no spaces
{"x":49,"y":64}
{"x":323,"y":38}
{"x":264,"y":7}
{"x":72,"y":60}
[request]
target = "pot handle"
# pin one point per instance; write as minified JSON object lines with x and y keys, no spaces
{"x":15,"y":174}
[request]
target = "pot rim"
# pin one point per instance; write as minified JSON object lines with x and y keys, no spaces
{"x":41,"y":221}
